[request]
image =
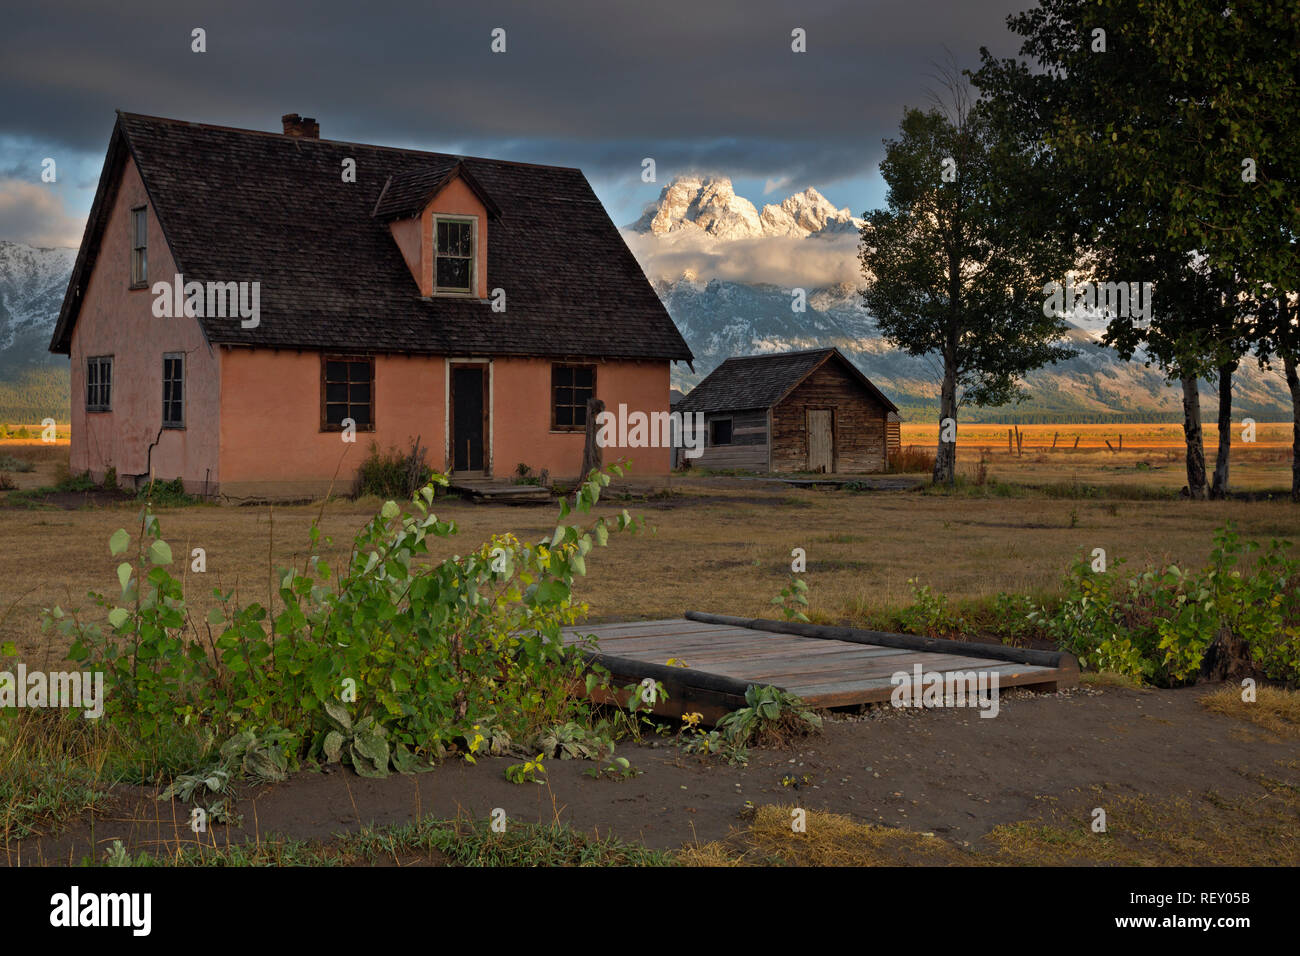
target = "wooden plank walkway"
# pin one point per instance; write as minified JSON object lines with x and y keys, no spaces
{"x":826,"y":666}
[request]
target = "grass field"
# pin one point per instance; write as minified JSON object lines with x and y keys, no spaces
{"x":724,"y":544}
{"x":717,"y":544}
{"x":1152,"y":456}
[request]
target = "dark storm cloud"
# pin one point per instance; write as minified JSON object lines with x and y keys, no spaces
{"x":701,"y":85}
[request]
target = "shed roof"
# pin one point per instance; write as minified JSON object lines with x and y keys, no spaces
{"x":761,"y":381}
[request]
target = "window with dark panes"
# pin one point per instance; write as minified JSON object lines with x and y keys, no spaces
{"x":720,"y":431}
{"x":139,"y":247}
{"x":347,"y":391}
{"x":571,"y":386}
{"x":173,"y":390}
{"x":453,"y":263}
{"x":99,"y":383}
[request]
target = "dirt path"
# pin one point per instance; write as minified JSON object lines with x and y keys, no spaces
{"x":951,"y":773}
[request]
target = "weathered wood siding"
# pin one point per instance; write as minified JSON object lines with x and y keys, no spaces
{"x":893,"y":433}
{"x":858,"y":429}
{"x":748,"y":448}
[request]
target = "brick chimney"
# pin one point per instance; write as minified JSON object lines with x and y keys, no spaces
{"x":303,"y":126}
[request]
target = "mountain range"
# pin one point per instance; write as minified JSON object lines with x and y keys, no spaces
{"x":726,"y":272}
{"x":724,"y":308}
{"x":33,"y":383}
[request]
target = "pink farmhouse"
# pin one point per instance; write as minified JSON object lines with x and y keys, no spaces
{"x":244,"y":302}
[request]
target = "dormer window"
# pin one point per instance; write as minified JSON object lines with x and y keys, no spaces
{"x":453,"y":255}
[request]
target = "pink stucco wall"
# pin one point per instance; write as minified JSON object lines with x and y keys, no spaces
{"x":119,"y":321}
{"x":521,"y":420}
{"x":272,"y":443}
{"x":271,"y":439}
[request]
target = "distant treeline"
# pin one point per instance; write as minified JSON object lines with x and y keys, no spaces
{"x":37,"y":394}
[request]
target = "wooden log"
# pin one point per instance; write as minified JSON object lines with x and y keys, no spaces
{"x":853,"y":635}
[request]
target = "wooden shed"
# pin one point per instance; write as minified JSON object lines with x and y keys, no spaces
{"x":807,"y":411}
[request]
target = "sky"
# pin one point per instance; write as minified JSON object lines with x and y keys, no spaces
{"x":705,"y":87}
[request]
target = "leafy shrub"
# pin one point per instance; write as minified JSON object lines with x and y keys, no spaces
{"x":770,"y":716}
{"x":6,"y":482}
{"x":524,"y":475}
{"x":929,"y":614}
{"x":81,"y":482}
{"x":394,"y":474}
{"x":161,"y":492}
{"x":1158,"y":624}
{"x":416,"y":654}
{"x":12,"y":463}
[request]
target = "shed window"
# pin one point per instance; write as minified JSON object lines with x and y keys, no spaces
{"x":571,"y":387}
{"x":453,"y":257}
{"x":720,"y":431}
{"x":139,"y":247}
{"x":347,"y":391}
{"x":99,"y":383}
{"x":173,"y":390}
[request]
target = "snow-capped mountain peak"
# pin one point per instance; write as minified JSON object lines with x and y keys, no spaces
{"x":709,"y":206}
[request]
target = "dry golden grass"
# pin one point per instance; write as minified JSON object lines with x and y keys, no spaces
{"x":829,"y":840}
{"x":1138,"y":435}
{"x":50,"y":459}
{"x":1153,"y":455}
{"x":1140,"y":831}
{"x":1211,"y":830}
{"x":715,"y":545}
{"x":1275,"y":709}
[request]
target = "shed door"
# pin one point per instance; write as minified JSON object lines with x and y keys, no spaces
{"x":821,"y":448}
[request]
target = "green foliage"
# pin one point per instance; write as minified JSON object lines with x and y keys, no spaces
{"x":12,"y":463}
{"x":424,"y":654}
{"x":792,"y":599}
{"x":618,"y":768}
{"x":929,"y":614}
{"x":393,"y":474}
{"x":770,"y":716}
{"x":527,"y":771}
{"x":160,"y":492}
{"x":572,"y":740}
{"x":524,"y":475}
{"x":81,"y":482}
{"x":1157,"y":625}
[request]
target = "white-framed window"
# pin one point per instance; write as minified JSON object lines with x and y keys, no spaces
{"x":454,"y":241}
{"x":173,"y":390}
{"x":139,"y":247}
{"x":99,"y":383}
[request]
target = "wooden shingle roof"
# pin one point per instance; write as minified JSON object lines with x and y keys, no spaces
{"x":241,"y":205}
{"x":761,"y":381}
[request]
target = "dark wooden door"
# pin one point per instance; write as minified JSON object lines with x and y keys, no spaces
{"x":468,"y":417}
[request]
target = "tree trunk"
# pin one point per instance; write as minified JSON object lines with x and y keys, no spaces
{"x":945,"y":458}
{"x":1219,"y":487}
{"x":591,"y":452}
{"x":1192,"y":434}
{"x":1293,"y":383}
